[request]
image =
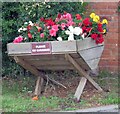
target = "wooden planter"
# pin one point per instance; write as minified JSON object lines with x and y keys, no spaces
{"x":82,"y":55}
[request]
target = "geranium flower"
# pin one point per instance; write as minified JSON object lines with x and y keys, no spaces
{"x":100,"y":39}
{"x":63,"y":25}
{"x":94,"y":36}
{"x":87,"y":22}
{"x":18,"y":39}
{"x":52,"y":32}
{"x":29,"y":35}
{"x":100,"y":29}
{"x":42,"y":35}
{"x":49,"y":22}
{"x":78,"y":17}
{"x":55,"y":27}
{"x":29,"y":27}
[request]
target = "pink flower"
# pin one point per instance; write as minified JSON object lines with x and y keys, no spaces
{"x":52,"y":32}
{"x":70,"y":23}
{"x":42,"y":35}
{"x":55,"y":27}
{"x":63,"y":25}
{"x":18,"y":39}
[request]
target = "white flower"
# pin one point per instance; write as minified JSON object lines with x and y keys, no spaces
{"x":20,"y":29}
{"x":25,"y":23}
{"x":70,"y":33}
{"x":59,"y":39}
{"x":83,"y":36}
{"x":67,"y":32}
{"x":71,"y":37}
{"x":30,"y":23}
{"x":24,"y":29}
{"x":77,"y":31}
{"x":71,"y":29}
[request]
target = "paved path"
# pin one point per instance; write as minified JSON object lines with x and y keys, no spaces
{"x":109,"y":108}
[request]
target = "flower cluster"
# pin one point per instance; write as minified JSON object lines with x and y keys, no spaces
{"x":63,"y":27}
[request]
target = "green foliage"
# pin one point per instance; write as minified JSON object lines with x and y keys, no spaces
{"x":14,"y":14}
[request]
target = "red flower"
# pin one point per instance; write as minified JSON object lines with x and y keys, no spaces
{"x":42,"y":19}
{"x":49,"y":22}
{"x":59,"y":16}
{"x":100,"y":39}
{"x":28,"y":27}
{"x":29,"y":35}
{"x":94,"y":36}
{"x":78,"y":17}
{"x":87,"y":22}
{"x":100,"y":29}
{"x":84,"y":29}
{"x":39,"y":29}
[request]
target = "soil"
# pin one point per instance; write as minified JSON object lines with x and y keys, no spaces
{"x":71,"y":81}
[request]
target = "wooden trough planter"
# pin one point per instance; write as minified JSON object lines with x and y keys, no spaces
{"x":82,"y":55}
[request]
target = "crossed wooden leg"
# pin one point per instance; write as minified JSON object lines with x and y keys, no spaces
{"x":40,"y":75}
{"x":83,"y":79}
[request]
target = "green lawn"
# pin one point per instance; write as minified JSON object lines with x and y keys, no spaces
{"x":16,"y":98}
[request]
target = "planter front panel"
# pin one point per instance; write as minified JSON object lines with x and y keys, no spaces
{"x":51,"y":55}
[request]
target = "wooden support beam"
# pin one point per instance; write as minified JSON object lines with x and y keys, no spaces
{"x":35,"y":71}
{"x":38,"y":87}
{"x":82,"y":72}
{"x":80,"y":88}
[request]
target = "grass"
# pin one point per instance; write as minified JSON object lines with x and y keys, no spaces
{"x":16,"y":96}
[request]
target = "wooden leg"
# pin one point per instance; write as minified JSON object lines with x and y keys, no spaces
{"x":35,"y":71}
{"x":82,"y":72}
{"x":38,"y":87}
{"x":80,"y":88}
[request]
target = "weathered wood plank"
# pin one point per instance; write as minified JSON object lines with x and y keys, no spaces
{"x":82,"y":72}
{"x":82,"y":63}
{"x":46,"y":57}
{"x":63,"y":46}
{"x":17,"y":48}
{"x":68,"y":67}
{"x":80,"y":88}
{"x":86,"y":44}
{"x":49,"y":62}
{"x":38,"y":88}
{"x":93,"y":64}
{"x":91,"y":53}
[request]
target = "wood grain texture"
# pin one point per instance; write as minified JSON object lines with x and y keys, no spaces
{"x":80,"y":88}
{"x":87,"y":43}
{"x":82,"y":72}
{"x":63,"y":46}
{"x":19,"y":48}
